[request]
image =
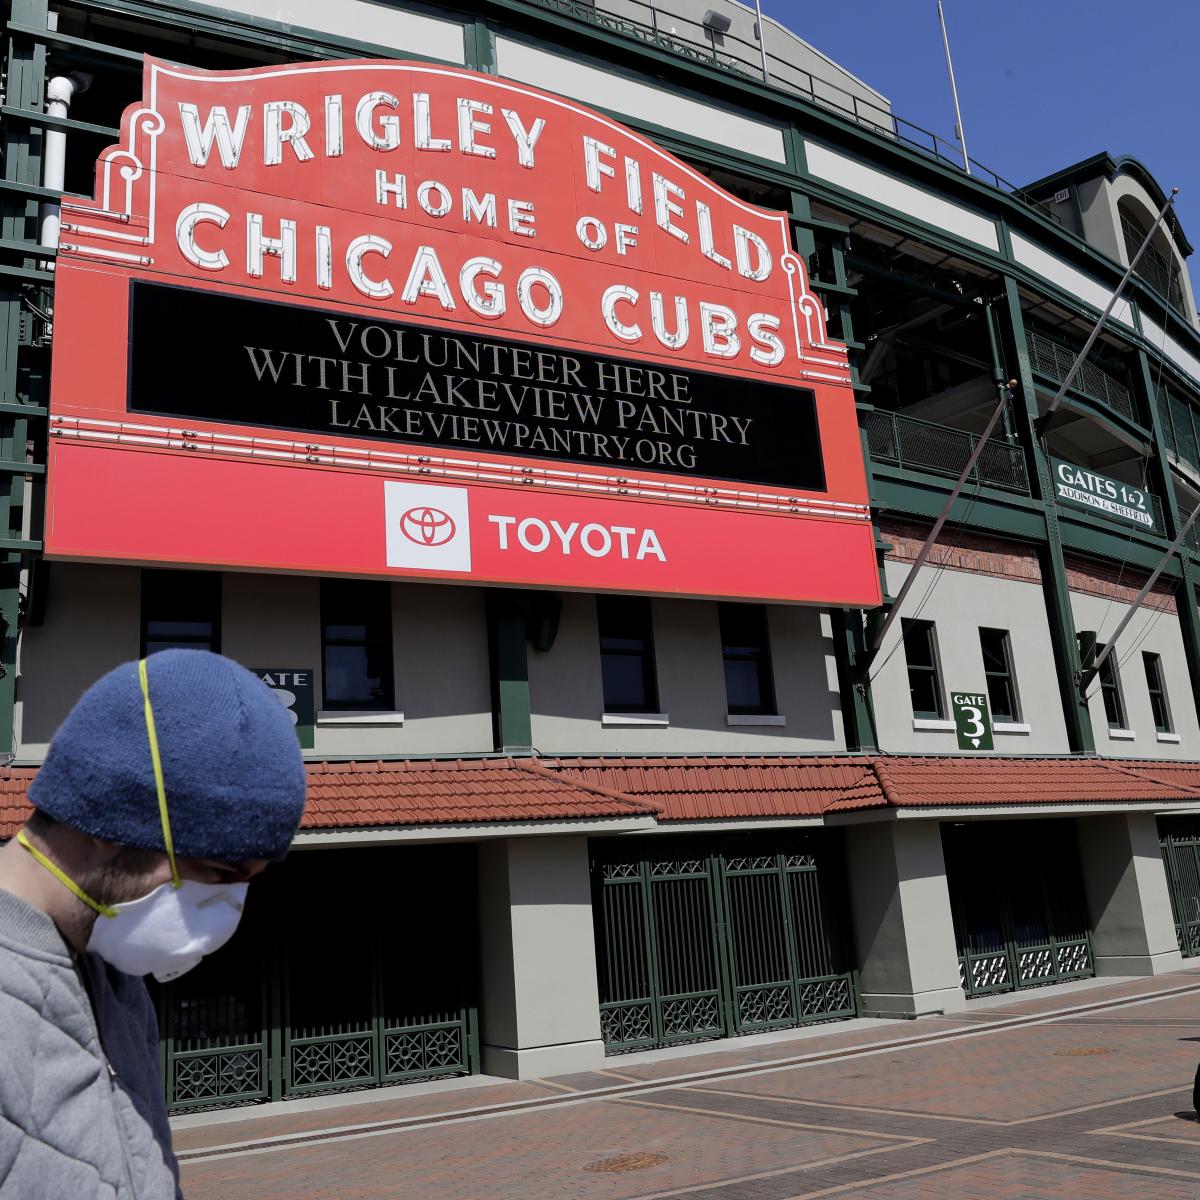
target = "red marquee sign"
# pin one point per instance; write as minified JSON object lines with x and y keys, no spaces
{"x":393,"y":319}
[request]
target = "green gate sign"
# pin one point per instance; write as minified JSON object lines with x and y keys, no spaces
{"x":972,"y":720}
{"x":295,"y":691}
{"x":1084,"y":488}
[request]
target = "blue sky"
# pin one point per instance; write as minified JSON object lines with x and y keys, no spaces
{"x":1042,"y":83}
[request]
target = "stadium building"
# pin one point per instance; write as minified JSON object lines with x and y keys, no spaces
{"x":550,"y":402}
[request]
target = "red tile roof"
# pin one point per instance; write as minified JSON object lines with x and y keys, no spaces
{"x":355,"y":795}
{"x":964,"y":781}
{"x":697,"y":789}
{"x":14,"y":808}
{"x":1175,"y":774}
{"x":447,"y":791}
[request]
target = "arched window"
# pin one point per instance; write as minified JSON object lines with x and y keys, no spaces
{"x":1158,"y":266}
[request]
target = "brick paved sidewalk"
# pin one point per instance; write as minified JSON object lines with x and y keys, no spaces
{"x":1060,"y":1093}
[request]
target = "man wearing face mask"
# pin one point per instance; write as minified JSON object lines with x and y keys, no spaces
{"x":170,"y":785}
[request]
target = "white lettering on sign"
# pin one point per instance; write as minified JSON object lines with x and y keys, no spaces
{"x":594,"y":539}
{"x":295,"y":133}
{"x":1100,"y":492}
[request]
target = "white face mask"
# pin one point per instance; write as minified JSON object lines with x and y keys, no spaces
{"x":169,"y":930}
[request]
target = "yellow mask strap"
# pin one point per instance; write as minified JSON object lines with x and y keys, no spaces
{"x":103,"y":909}
{"x":156,"y":760}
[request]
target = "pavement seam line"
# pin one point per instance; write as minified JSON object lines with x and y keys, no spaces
{"x":897,"y":1176}
{"x":518,"y":1107}
{"x":728,"y":1116}
{"x":775,"y":1172}
{"x":990,"y":1122}
{"x":1110,"y":1165}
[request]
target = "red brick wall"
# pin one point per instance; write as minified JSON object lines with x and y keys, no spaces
{"x":963,"y":551}
{"x":1113,"y":582}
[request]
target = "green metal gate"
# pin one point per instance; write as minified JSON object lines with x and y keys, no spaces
{"x":701,"y":938}
{"x":1179,"y":838}
{"x":1020,"y":914}
{"x":338,"y":979}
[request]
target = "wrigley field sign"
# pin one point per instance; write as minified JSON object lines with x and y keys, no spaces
{"x":403,"y":320}
{"x":1079,"y":486}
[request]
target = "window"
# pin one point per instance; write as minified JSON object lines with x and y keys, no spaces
{"x":356,"y":644}
{"x":1158,"y":693}
{"x":924,"y":673}
{"x":998,"y":671}
{"x":1110,"y":687}
{"x":746,"y":649}
{"x":181,"y":609}
{"x":626,"y":654}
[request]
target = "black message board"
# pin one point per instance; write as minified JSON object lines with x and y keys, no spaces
{"x":207,"y":356}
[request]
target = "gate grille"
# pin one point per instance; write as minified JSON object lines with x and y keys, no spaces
{"x":313,"y":996}
{"x":704,"y":939}
{"x":1179,"y":838}
{"x":1016,"y":893}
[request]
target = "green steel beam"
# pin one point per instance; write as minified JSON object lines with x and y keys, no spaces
{"x":922,"y":495}
{"x":101,"y":51}
{"x":1054,"y":572}
{"x":1160,"y":470}
{"x":512,"y":724}
{"x":66,"y":124}
{"x":22,"y":166}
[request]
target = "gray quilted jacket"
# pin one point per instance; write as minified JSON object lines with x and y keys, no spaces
{"x":82,"y":1114}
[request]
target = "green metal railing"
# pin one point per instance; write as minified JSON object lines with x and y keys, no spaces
{"x":1054,"y":361}
{"x":745,"y":60}
{"x":706,"y":939}
{"x":924,"y":446}
{"x":1155,"y":268}
{"x":1020,"y":915}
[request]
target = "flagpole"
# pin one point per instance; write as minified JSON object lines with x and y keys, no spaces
{"x":959,"y":132}
{"x":762,"y":40}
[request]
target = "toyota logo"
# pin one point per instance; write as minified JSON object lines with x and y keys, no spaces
{"x":427,"y":526}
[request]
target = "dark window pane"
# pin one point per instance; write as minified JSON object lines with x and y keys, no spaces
{"x":1158,"y":693}
{"x":743,"y":687}
{"x":180,"y":609}
{"x":626,"y":654}
{"x":997,"y":668}
{"x":346,"y":633}
{"x":918,"y":644}
{"x":1110,"y":687}
{"x":191,"y":630}
{"x":624,"y":683}
{"x":745,"y":647}
{"x":926,"y":696}
{"x":924,"y":678}
{"x":356,"y":628}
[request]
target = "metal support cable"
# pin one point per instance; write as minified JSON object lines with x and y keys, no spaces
{"x":1006,"y":394}
{"x":1088,"y":675}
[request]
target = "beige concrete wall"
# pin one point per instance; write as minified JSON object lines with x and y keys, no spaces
{"x":1156,"y":632}
{"x":903,"y":927}
{"x":90,"y":627}
{"x":959,"y":603}
{"x":540,"y":1003}
{"x":362,"y":20}
{"x":567,"y":697}
{"x":439,"y":645}
{"x":1126,"y":882}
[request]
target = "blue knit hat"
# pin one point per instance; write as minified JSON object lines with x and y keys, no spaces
{"x":232,"y":767}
